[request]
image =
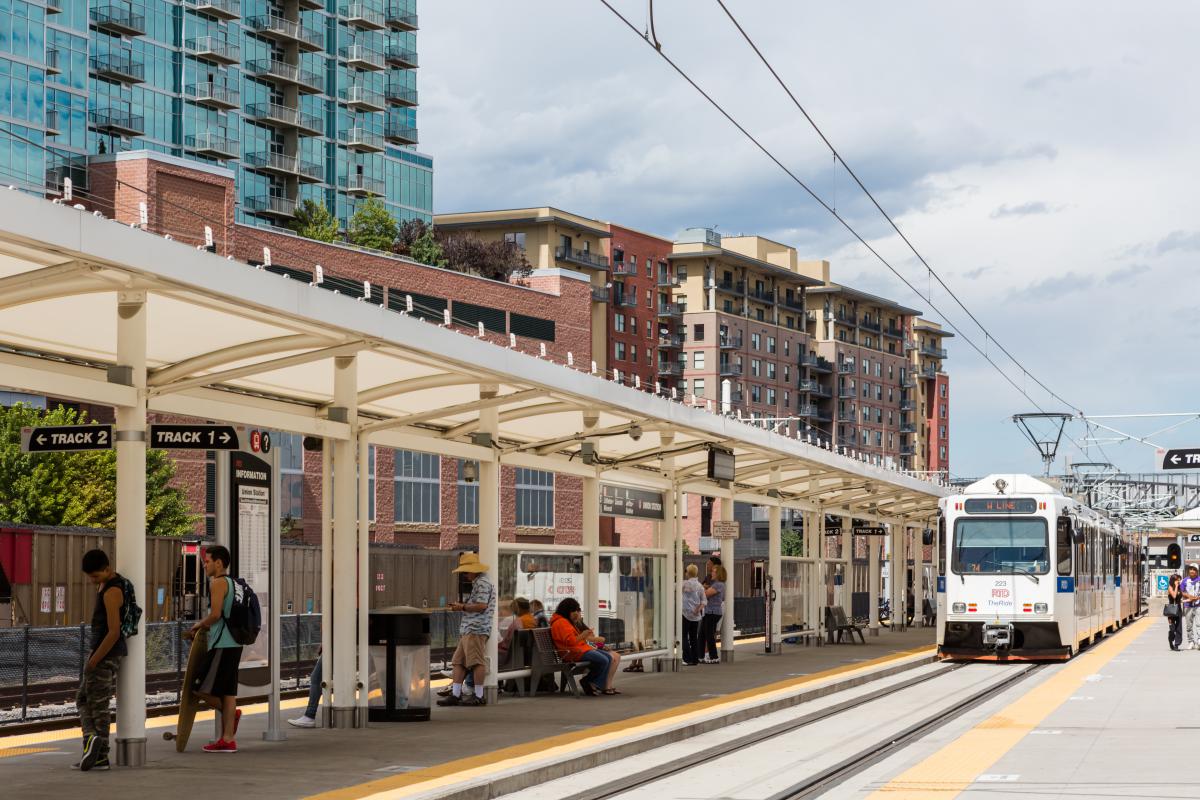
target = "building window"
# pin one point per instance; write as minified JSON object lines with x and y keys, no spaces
{"x":515,"y":238}
{"x":787,"y":401}
{"x":770,"y":344}
{"x":866,"y":362}
{"x":866,"y":438}
{"x":468,"y":497}
{"x":770,"y":397}
{"x":756,"y":341}
{"x":649,"y":268}
{"x":879,"y":392}
{"x":683,"y":384}
{"x":755,"y":393}
{"x":535,"y":498}
{"x":787,"y":374}
{"x":942,"y":454}
{"x":649,"y":330}
{"x":633,"y":353}
{"x":878,"y":369}
{"x":866,"y":413}
{"x":941,"y":431}
{"x":771,"y":370}
{"x":291,"y":476}
{"x":633,"y":324}
{"x":32,"y":400}
{"x":879,"y":438}
{"x":698,"y":387}
{"x":942,"y":412}
{"x":942,"y":389}
{"x":418,"y":488}
{"x":755,"y":367}
{"x":698,"y":359}
{"x":619,"y":323}
{"x":787,"y":345}
{"x":698,"y":333}
{"x":619,"y":351}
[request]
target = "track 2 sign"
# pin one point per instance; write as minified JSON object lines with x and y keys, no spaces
{"x":66,"y":438}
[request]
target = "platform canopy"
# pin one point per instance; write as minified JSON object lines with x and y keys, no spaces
{"x":1186,"y":523}
{"x":230,"y":342}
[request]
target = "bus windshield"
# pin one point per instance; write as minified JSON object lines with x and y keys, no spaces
{"x":1001,"y":545}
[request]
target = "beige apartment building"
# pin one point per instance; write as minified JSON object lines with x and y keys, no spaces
{"x":734,"y":329}
{"x":552,"y":239}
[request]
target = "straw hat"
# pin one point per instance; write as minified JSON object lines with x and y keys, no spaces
{"x":469,"y":562}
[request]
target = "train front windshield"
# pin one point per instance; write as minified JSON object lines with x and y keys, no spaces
{"x":1001,"y":546}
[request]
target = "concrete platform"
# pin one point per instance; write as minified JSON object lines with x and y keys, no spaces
{"x":415,"y":758}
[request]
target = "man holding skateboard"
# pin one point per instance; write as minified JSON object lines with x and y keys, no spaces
{"x":100,"y":673}
{"x":216,"y":680}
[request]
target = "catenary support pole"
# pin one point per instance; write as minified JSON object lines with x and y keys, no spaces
{"x":591,"y":530}
{"x":489,"y":528}
{"x":847,"y":566}
{"x":874,"y":546}
{"x":131,"y":521}
{"x":671,"y":538}
{"x":345,"y":536}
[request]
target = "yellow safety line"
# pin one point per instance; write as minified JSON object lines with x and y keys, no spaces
{"x":956,"y":766}
{"x":13,"y":752}
{"x":463,"y":769}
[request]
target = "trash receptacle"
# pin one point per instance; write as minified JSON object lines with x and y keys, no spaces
{"x":399,"y":649}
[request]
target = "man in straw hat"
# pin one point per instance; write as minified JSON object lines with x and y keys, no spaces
{"x":478,"y":609}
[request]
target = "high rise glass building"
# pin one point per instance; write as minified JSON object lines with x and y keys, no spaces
{"x":301,"y":98}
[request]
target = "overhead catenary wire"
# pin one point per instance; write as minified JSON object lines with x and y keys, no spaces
{"x":837,"y":156}
{"x":821,"y":201}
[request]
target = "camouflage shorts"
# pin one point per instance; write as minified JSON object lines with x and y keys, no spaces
{"x":95,"y":691}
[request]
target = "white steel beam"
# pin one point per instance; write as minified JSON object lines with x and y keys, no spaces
{"x":489,"y":528}
{"x":239,"y":352}
{"x":451,"y":411}
{"x":437,"y":381}
{"x":345,"y":561}
{"x":257,"y":412}
{"x":69,"y":381}
{"x":512,"y":414}
{"x":213,"y":378}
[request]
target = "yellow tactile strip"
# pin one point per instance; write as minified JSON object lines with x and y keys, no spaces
{"x":13,"y":752}
{"x":466,"y":769}
{"x":952,"y":769}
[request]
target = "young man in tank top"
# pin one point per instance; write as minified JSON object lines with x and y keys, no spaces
{"x":217,"y":679}
{"x":100,"y":673}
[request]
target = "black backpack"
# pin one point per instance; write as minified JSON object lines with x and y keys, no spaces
{"x":131,"y":612}
{"x":244,"y":620}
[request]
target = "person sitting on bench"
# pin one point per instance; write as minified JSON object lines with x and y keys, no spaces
{"x":573,"y":647}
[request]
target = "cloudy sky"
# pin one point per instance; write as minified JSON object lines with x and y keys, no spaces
{"x":1042,"y":157}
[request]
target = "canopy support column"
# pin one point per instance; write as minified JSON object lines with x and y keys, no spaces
{"x":489,"y":529}
{"x":874,"y":546}
{"x":345,"y":549}
{"x":131,"y":521}
{"x":326,"y":581}
{"x":847,"y":566}
{"x":774,"y":574}
{"x":819,"y":552}
{"x":671,"y":538}
{"x":364,"y":577}
{"x":728,"y":560}
{"x":591,"y":532}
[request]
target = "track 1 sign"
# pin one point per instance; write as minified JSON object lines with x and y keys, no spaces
{"x":1180,"y":458}
{"x":193,"y":437}
{"x":66,"y":438}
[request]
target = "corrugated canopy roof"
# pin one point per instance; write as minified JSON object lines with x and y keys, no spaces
{"x":227,"y":341}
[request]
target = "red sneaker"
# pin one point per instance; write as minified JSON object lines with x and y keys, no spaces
{"x":220,"y":746}
{"x":237,"y":719}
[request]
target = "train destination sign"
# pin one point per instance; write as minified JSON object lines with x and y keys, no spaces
{"x":623,"y":501}
{"x":1180,"y":458}
{"x":1001,"y":505}
{"x":66,"y":438}
{"x":194,"y":437}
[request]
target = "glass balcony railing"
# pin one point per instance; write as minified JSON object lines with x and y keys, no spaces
{"x":932,"y":352}
{"x":669,"y":341}
{"x":117,"y":121}
{"x":362,"y":140}
{"x":624,"y":268}
{"x":730,"y":342}
{"x":220,"y":9}
{"x":53,"y":6}
{"x":214,"y":95}
{"x":363,"y":16}
{"x":361,"y":185}
{"x":401,"y":56}
{"x":280,"y":72}
{"x":280,"y":164}
{"x":117,"y":19}
{"x":52,"y":56}
{"x":276,"y":28}
{"x":669,"y":310}
{"x":400,"y":95}
{"x":276,"y":207}
{"x":362,"y":98}
{"x":285,"y":117}
{"x":212,"y":144}
{"x":214,"y":50}
{"x":120,"y":67}
{"x":600,"y":294}
{"x":584,"y":257}
{"x":400,"y":17}
{"x":362,"y":57}
{"x":52,"y":128}
{"x":400,"y":133}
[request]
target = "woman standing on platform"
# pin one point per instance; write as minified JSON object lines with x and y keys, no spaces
{"x":713,"y":611}
{"x":1174,"y":621}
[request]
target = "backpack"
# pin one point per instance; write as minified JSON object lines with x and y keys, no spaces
{"x":245,"y":614}
{"x":131,"y":612}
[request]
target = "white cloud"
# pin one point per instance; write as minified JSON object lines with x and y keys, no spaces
{"x":1042,"y":164}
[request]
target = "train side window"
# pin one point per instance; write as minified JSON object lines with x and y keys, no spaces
{"x":941,"y":544}
{"x":1064,"y":541}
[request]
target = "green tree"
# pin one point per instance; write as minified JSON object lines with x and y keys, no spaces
{"x":427,"y":250}
{"x":372,"y":226}
{"x":791,"y":542}
{"x":79,"y":488}
{"x":313,"y":221}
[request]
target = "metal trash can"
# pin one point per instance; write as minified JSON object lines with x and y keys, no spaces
{"x":399,"y":649}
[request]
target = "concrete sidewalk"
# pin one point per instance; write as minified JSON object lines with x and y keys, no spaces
{"x":315,"y":761}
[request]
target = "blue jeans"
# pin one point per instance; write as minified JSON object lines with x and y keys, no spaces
{"x":597,"y":662}
{"x":314,"y":690}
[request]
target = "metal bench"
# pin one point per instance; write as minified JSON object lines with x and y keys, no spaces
{"x":837,"y":624}
{"x":547,"y":661}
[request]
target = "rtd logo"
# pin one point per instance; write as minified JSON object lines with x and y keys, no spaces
{"x":999,"y":592}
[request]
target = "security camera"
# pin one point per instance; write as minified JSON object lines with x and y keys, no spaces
{"x":635,"y":431}
{"x":470,"y":471}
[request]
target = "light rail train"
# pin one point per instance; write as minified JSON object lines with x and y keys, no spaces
{"x":1028,"y":573}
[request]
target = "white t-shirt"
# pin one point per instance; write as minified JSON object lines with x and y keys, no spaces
{"x":693,"y":600}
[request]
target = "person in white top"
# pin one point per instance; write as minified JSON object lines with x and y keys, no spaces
{"x":693,"y":611}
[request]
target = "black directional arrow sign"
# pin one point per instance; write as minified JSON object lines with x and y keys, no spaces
{"x":64,"y":438}
{"x":1183,"y":458}
{"x":194,"y":437}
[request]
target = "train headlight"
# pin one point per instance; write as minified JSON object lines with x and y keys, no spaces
{"x":1040,"y":608}
{"x":958,"y":608}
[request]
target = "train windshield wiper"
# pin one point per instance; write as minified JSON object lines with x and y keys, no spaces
{"x":1015,"y":569}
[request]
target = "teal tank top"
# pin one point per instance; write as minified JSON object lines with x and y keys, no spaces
{"x":219,"y":635}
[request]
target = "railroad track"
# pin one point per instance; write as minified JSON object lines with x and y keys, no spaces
{"x":820,"y":782}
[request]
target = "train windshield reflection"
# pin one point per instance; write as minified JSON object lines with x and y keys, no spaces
{"x":1001,"y":546}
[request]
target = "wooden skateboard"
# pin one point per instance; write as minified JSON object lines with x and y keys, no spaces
{"x":188,"y":702}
